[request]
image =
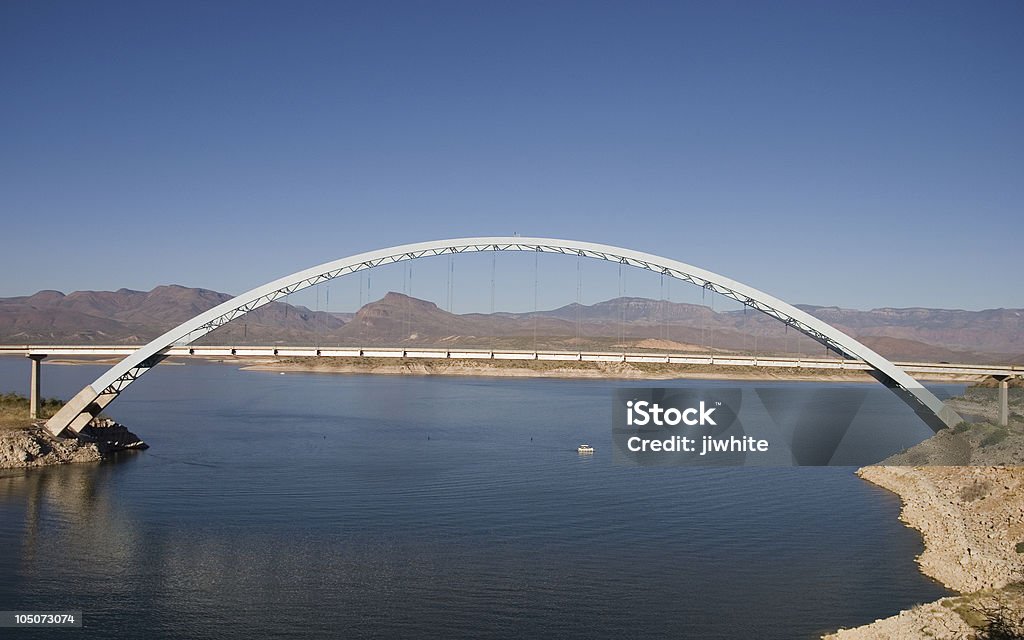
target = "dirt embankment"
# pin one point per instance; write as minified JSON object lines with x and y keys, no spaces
{"x":979,"y":444}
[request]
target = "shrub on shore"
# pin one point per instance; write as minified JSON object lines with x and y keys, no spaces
{"x":14,"y":409}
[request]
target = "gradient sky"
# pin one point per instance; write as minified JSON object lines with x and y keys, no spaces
{"x":862,"y":154}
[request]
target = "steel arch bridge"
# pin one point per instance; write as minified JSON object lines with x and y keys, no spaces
{"x":91,"y":400}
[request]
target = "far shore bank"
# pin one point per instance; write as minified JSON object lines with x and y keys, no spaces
{"x":558,"y":369}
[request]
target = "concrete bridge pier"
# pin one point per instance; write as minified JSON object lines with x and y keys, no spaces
{"x":34,"y":399}
{"x":1004,"y":400}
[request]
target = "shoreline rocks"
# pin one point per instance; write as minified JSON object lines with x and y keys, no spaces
{"x":972,"y":522}
{"x":110,"y":436}
{"x":971,"y":519}
{"x":34,"y":447}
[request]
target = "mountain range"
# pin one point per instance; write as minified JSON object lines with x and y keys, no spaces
{"x":132,"y":317}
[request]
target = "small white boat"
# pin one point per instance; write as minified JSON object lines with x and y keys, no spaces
{"x":585,"y":448}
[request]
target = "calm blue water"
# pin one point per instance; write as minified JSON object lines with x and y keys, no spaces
{"x":368,"y":506}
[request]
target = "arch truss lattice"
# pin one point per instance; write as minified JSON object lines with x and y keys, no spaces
{"x":95,"y":397}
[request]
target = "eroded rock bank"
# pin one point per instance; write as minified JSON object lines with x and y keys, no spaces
{"x":35,"y":447}
{"x":971,"y":518}
{"x":972,"y":521}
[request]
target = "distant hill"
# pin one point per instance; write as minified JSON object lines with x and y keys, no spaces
{"x":127,"y":317}
{"x":998,"y":331}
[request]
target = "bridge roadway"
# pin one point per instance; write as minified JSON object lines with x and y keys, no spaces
{"x":722,"y":359}
{"x":37,"y":353}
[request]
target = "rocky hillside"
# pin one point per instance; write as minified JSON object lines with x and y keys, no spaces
{"x":998,"y":331}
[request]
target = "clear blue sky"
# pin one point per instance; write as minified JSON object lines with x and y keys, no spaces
{"x":862,"y":154}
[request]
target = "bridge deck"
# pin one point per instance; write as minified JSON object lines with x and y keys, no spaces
{"x":779,"y":361}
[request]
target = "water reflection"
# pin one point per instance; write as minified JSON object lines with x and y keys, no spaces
{"x":69,"y":512}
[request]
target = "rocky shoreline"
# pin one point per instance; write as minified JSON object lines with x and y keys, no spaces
{"x":35,"y":447}
{"x":972,"y":521}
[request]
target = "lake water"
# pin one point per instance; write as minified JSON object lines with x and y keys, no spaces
{"x":306,"y":505}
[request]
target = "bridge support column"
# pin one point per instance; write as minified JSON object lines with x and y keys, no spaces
{"x":1004,"y":402}
{"x":34,"y":399}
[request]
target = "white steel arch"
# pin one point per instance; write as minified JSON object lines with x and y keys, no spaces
{"x":93,"y":398}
